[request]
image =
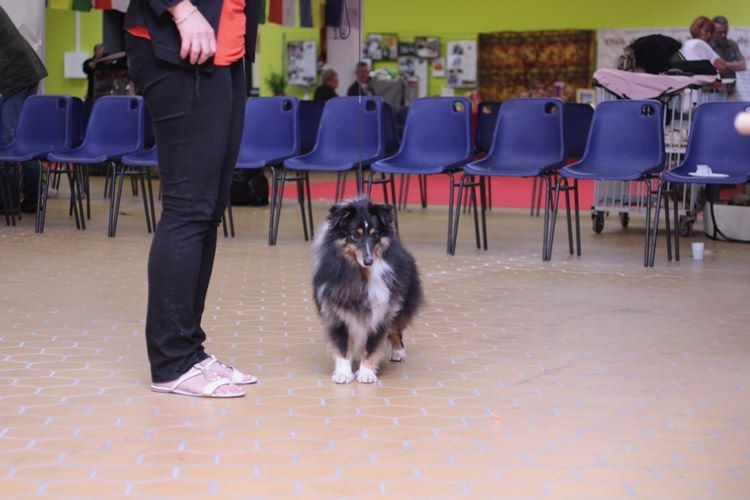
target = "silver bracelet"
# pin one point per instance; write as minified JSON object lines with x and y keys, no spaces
{"x":184,"y":18}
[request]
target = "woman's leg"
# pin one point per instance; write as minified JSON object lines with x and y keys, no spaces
{"x":191,"y":114}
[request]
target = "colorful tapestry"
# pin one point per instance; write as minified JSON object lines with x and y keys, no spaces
{"x":535,"y":63}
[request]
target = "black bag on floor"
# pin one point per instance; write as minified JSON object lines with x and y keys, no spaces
{"x":249,"y":187}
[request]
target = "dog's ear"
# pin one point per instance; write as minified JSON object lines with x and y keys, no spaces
{"x":384,"y":214}
{"x":340,"y":214}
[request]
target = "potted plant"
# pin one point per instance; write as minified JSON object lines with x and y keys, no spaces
{"x":277,"y":83}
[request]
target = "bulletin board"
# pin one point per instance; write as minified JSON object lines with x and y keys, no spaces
{"x":302,"y":63}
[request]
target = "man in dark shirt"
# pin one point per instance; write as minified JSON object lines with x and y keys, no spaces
{"x":327,"y":90}
{"x":89,"y":66}
{"x":362,"y":85}
{"x":728,"y":50}
{"x":20,"y":73}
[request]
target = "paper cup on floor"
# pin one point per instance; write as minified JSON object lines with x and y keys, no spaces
{"x":698,"y":247}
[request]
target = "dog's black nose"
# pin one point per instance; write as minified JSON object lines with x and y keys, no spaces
{"x":367,"y":259}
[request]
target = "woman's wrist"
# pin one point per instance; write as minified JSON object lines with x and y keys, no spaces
{"x":182,"y":11}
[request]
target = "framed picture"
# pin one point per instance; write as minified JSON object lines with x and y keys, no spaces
{"x":407,"y":49}
{"x":427,"y":46}
{"x":301,"y":63}
{"x":381,"y":47}
{"x":586,"y":96}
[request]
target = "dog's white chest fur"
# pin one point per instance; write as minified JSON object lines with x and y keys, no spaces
{"x":378,"y":292}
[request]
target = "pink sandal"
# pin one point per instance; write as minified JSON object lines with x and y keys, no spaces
{"x":208,"y":391}
{"x":237,"y":378}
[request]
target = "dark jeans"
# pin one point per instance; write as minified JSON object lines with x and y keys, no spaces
{"x":11,"y":112}
{"x":198,"y":121}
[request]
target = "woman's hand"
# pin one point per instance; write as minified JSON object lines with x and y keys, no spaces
{"x":197,"y":36}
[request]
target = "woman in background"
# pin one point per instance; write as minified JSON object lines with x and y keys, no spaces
{"x":697,"y":48}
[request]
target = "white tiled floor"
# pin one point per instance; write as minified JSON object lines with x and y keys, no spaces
{"x":579,"y":377}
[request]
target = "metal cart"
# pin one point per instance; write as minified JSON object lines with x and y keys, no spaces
{"x":626,"y":198}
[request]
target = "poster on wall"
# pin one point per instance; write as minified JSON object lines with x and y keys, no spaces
{"x":438,"y":67}
{"x":301,"y":63}
{"x":381,"y":47}
{"x":462,"y":63}
{"x":415,"y":68}
{"x":427,"y":46}
{"x":407,"y":49}
{"x":611,"y":43}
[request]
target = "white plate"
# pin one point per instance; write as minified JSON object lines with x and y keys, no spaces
{"x":712,"y":174}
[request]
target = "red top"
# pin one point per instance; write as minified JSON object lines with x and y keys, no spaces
{"x":230,"y":41}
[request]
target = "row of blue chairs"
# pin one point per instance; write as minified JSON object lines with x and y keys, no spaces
{"x":625,"y":142}
{"x":622,"y":140}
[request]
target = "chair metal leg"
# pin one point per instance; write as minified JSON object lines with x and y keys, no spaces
{"x":488,"y":181}
{"x":423,"y":189}
{"x":151,"y":199}
{"x":553,"y":220}
{"x":567,"y":214}
{"x":301,"y":202}
{"x":139,"y":177}
{"x":274,"y":230}
{"x":547,"y":252}
{"x":73,"y":182}
{"x":309,"y":203}
{"x":647,"y":237}
{"x":483,"y":186}
{"x":118,"y":196}
{"x":340,"y":186}
{"x":392,"y":180}
{"x":454,"y":219}
{"x":403,"y":192}
{"x":476,"y":214}
{"x":231,"y":219}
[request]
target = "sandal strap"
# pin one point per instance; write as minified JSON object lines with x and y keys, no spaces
{"x":237,"y":376}
{"x":211,"y":387}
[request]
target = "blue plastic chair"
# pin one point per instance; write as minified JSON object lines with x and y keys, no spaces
{"x":309,"y":122}
{"x":271,"y":134}
{"x":437,"y":140}
{"x":625,"y":143}
{"x":116,"y":127}
{"x":576,"y":124}
{"x":350,"y":137}
{"x":527,"y":142}
{"x":713,"y":141}
{"x":47,"y":123}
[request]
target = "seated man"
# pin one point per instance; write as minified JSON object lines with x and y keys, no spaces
{"x":361,"y":85}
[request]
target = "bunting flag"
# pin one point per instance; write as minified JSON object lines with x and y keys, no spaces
{"x":305,"y":14}
{"x":121,"y":5}
{"x":333,"y":13}
{"x":275,"y":11}
{"x":282,"y":12}
{"x":82,"y":5}
{"x":59,"y":4}
{"x":290,"y":13}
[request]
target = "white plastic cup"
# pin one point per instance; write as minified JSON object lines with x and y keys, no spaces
{"x":698,"y":248}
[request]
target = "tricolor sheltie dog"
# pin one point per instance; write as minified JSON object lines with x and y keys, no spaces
{"x":366,"y":287}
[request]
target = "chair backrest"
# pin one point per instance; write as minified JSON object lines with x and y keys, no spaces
{"x":309,"y":122}
{"x":47,"y":123}
{"x":438,"y":129}
{"x":117,"y":123}
{"x":714,"y":141}
{"x":390,"y":131}
{"x":486,"y":118}
{"x":272,"y":124}
{"x":626,"y":135}
{"x":576,"y":125}
{"x":529,"y":132}
{"x":352,"y":126}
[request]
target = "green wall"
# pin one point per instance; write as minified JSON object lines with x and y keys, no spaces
{"x":450,"y":20}
{"x":465,"y":19}
{"x":60,"y":38}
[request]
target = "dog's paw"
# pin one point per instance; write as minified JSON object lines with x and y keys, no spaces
{"x":398,"y":355}
{"x":342,"y":377}
{"x":366,"y":376}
